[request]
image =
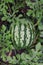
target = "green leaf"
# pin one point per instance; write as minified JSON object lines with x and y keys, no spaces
{"x":3,"y":57}
{"x":38,"y":46}
{"x":3,"y":18}
{"x":29,"y":12}
{"x":25,"y":56}
{"x":9,"y":59}
{"x":18,"y":56}
{"x":23,"y":63}
{"x":14,"y":60}
{"x":3,"y":28}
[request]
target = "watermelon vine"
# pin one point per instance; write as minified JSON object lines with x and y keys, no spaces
{"x":20,"y":31}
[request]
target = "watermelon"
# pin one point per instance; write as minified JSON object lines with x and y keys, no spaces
{"x":23,"y":33}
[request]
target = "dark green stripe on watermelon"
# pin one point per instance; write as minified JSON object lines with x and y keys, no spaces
{"x":30,"y":35}
{"x":19,"y":45}
{"x":24,"y":35}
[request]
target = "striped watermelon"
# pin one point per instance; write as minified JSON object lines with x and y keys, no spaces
{"x":23,"y":33}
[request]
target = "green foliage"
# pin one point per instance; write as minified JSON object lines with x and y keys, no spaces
{"x":32,"y":57}
{"x":8,"y":8}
